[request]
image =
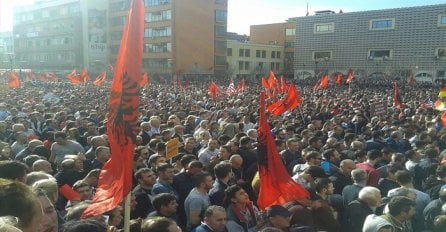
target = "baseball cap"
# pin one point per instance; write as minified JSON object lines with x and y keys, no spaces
{"x":277,"y":210}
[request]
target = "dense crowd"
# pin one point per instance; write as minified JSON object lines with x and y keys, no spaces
{"x":364,"y":170}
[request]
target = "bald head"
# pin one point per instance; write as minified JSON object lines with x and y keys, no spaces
{"x":42,"y":166}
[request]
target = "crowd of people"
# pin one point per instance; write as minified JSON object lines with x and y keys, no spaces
{"x":364,"y":170}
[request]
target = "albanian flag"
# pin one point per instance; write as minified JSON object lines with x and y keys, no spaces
{"x":291,"y":101}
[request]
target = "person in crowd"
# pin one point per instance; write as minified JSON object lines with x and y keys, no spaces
{"x":369,"y":199}
{"x":351,"y":192}
{"x":198,"y":199}
{"x":222,"y":173}
{"x":160,"y":224}
{"x":344,"y":176}
{"x":214,"y":220}
{"x":241,"y":213}
{"x":326,"y":216}
{"x":165,"y":205}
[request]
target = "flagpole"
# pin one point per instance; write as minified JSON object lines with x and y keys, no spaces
{"x":127,"y":212}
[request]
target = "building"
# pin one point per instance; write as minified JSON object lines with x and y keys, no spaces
{"x":59,"y":35}
{"x":281,"y":34}
{"x":183,"y":38}
{"x":378,"y":43}
{"x":6,"y":50}
{"x":246,"y":59}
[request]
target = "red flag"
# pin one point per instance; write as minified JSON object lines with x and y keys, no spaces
{"x":115,"y":179}
{"x":411,"y":80}
{"x":396,"y":97}
{"x":276,"y":186}
{"x":144,"y":80}
{"x":338,"y":79}
{"x":265,"y":84}
{"x":291,"y":101}
{"x":14,"y":81}
{"x":73,"y":77}
{"x":324,"y":82}
{"x":241,"y":86}
{"x":69,"y":193}
{"x":272,"y":80}
{"x":51,"y":77}
{"x":443,"y":119}
{"x":100,"y":79}
{"x":84,"y":76}
{"x":213,"y":90}
{"x":283,"y":85}
{"x":349,"y":77}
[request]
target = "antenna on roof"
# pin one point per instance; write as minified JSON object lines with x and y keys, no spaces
{"x":307,"y":10}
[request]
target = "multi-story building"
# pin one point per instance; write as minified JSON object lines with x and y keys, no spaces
{"x":56,"y":35}
{"x":392,"y":42}
{"x":6,"y":50}
{"x":281,"y":34}
{"x":186,"y":38}
{"x":249,"y":59}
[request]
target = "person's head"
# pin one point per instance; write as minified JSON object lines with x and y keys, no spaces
{"x":293,"y":144}
{"x":13,"y":170}
{"x":236,"y":161}
{"x":279,"y":216}
{"x":165,"y":203}
{"x":412,"y":155}
{"x":84,"y":225}
{"x":165,"y":172}
{"x":50,"y":187}
{"x":315,"y":142}
{"x":402,"y":208}
{"x":439,"y":224}
{"x":114,"y":216}
{"x":145,"y":177}
{"x":313,"y":158}
{"x":347,"y":166}
{"x":374,"y":155}
{"x":194,"y":167}
{"x":17,"y":200}
{"x":403,"y":177}
{"x":102,"y":154}
{"x":234,"y":194}
{"x":159,"y":224}
{"x":84,"y":190}
{"x":222,"y":171}
{"x":215,"y":218}
{"x":224,"y":152}
{"x":49,"y":219}
{"x":359,"y":176}
{"x":371,"y":196}
{"x":97,"y":141}
{"x":324,"y":186}
{"x":331,"y":155}
{"x":60,"y":138}
{"x":42,"y":165}
{"x":203,"y":180}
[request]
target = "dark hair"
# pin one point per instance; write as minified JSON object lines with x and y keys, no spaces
{"x":13,"y":170}
{"x":230,"y":193}
{"x":410,"y":154}
{"x":399,"y":204}
{"x":441,"y":171}
{"x":321,"y":183}
{"x":327,"y":154}
{"x":403,"y":177}
{"x":374,"y":154}
{"x":156,"y":224}
{"x":186,"y":159}
{"x":141,"y":171}
{"x":439,"y":223}
{"x":222,"y":170}
{"x":200,"y":177}
{"x":163,"y":167}
{"x":162,"y":199}
{"x":89,"y":225}
{"x":60,"y":134}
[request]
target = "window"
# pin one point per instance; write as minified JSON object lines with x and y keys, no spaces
{"x":380,"y":54}
{"x":263,"y":54}
{"x":220,"y":30}
{"x":442,"y":20}
{"x":289,"y":44}
{"x":273,"y":54}
{"x":278,"y":55}
{"x":440,"y":53}
{"x":322,"y":55}
{"x":272,"y":65}
{"x":158,"y":47}
{"x":247,"y":53}
{"x":290,"y":32}
{"x":220,"y":45}
{"x":277,"y":66}
{"x":258,"y":53}
{"x":158,"y":16}
{"x":240,"y":65}
{"x":320,"y":28}
{"x":382,"y":24}
{"x":246,"y":65}
{"x":229,"y":51}
{"x":118,"y":21}
{"x":221,"y":16}
{"x":156,"y":2}
{"x":157,"y":32}
{"x":220,"y":60}
{"x":241,"y":52}
{"x":261,"y":65}
{"x":221,"y":2}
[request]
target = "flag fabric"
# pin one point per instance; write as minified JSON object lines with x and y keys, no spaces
{"x":241,"y":86}
{"x":276,"y":185}
{"x":213,"y":90}
{"x":73,"y":77}
{"x":51,"y":77}
{"x":411,"y":80}
{"x":439,"y":105}
{"x":324,"y":82}
{"x":443,"y":119}
{"x":69,"y":193}
{"x":115,"y":179}
{"x":291,"y":101}
{"x":230,"y":91}
{"x":14,"y":81}
{"x":338,"y":79}
{"x":349,"y":77}
{"x":396,"y":97}
{"x":272,"y":81}
{"x":100,"y":79}
{"x":144,"y":80}
{"x":265,"y":84}
{"x":283,"y":85}
{"x":84,"y":76}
